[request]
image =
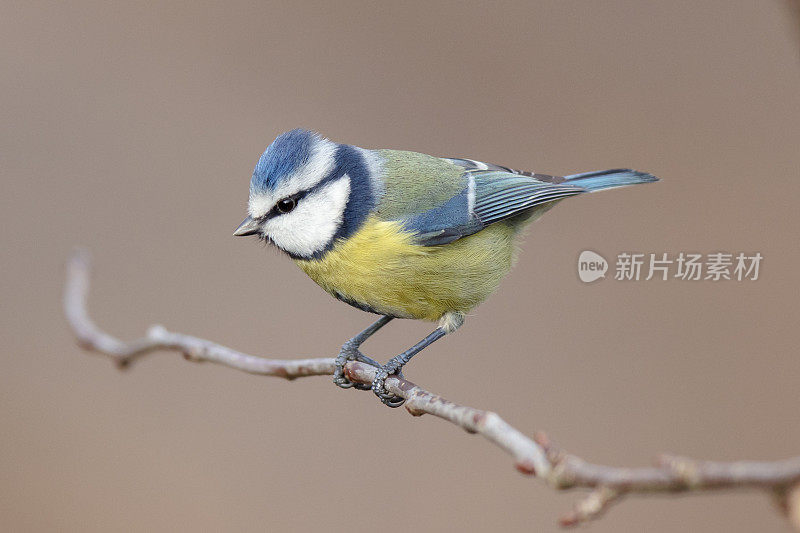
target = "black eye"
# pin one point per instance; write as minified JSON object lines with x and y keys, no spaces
{"x":286,"y":205}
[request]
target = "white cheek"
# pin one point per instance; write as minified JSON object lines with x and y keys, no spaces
{"x":313,"y":223}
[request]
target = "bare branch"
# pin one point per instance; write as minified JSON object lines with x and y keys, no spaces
{"x":671,"y":474}
{"x":528,"y":456}
{"x":537,"y":456}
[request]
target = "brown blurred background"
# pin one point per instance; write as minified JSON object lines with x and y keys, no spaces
{"x":132,"y":129}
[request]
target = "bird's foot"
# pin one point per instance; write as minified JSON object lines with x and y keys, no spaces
{"x":379,"y":386}
{"x":350,"y":352}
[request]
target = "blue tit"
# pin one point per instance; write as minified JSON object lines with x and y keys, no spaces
{"x":401,"y":234}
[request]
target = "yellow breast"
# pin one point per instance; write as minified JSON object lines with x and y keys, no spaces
{"x":381,"y":268}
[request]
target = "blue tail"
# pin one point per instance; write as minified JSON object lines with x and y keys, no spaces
{"x":608,"y":179}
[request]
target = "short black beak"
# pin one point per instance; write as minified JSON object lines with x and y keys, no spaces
{"x":247,"y":227}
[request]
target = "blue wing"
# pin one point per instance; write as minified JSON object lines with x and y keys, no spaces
{"x":491,"y":194}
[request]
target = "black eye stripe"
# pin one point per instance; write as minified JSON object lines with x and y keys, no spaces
{"x":274,"y":212}
{"x":289,"y":203}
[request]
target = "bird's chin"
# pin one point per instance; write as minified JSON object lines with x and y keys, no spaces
{"x":269,"y":242}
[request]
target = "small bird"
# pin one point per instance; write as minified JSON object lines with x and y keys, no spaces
{"x":398,"y":233}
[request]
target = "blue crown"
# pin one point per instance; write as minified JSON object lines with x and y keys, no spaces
{"x":285,"y":155}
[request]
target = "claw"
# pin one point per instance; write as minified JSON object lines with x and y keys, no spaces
{"x":379,"y":388}
{"x":338,"y":370}
{"x":350,"y":353}
{"x":341,"y":381}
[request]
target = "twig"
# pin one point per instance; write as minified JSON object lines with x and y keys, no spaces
{"x":671,"y":474}
{"x":536,"y":457}
{"x":528,"y":456}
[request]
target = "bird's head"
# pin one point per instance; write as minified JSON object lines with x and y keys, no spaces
{"x":306,"y":192}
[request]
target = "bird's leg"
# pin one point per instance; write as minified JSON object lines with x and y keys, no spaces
{"x":396,"y":363}
{"x":350,"y":352}
{"x":449,"y":322}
